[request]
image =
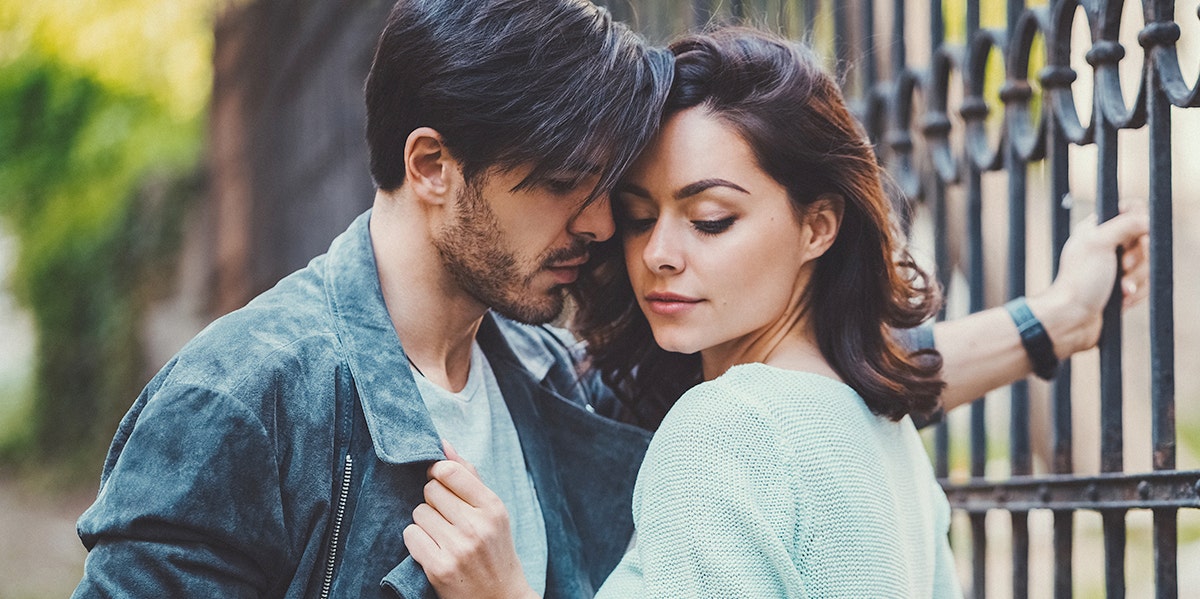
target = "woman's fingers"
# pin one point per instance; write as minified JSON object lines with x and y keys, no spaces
{"x":453,"y":455}
{"x":420,"y":545}
{"x":434,"y":524}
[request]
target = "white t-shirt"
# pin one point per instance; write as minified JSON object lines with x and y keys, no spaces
{"x":476,"y":421}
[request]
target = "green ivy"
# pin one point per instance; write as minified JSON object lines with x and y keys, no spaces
{"x":93,"y":182}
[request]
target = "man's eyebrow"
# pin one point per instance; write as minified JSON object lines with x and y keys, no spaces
{"x":692,"y":189}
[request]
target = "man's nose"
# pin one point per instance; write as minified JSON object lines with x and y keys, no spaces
{"x":594,"y":221}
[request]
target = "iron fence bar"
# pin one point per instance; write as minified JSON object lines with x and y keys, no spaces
{"x":1064,"y":536}
{"x":1062,"y":461}
{"x":1017,"y":170}
{"x":936,"y":197}
{"x":1111,"y":433}
{"x":1162,"y":323}
{"x":1058,"y":157}
{"x":1019,"y":445}
{"x":1111,"y":410}
{"x":1113,"y":491}
{"x":1166,"y":580}
{"x":978,"y":421}
{"x":1114,"y":553}
{"x":1162,"y":287}
{"x":1060,"y":218}
{"x":937,"y":201}
{"x":1111,"y":438}
{"x":1019,"y":450}
{"x":978,"y":415}
{"x":1020,"y":554}
{"x":978,"y":554}
{"x":1060,"y":223}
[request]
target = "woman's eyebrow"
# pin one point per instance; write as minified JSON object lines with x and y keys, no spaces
{"x":692,"y":189}
{"x":688,"y":190}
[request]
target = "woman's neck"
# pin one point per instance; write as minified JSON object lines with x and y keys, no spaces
{"x":790,"y":344}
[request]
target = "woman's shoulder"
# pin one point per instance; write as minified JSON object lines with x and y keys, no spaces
{"x":777,"y":392}
{"x":760,"y":397}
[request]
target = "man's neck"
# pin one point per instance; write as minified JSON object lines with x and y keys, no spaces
{"x":434,"y":319}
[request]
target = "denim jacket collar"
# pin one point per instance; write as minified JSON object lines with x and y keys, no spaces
{"x":401,"y":429}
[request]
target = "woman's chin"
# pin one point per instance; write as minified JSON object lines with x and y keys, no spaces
{"x":674,"y":344}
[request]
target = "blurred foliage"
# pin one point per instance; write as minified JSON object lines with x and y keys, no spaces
{"x":102,"y":106}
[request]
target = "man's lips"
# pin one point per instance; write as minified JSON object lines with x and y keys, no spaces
{"x":669,"y":303}
{"x":574,"y":263}
{"x":565,"y":273}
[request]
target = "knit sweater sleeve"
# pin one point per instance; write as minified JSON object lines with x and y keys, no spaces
{"x":714,"y":505}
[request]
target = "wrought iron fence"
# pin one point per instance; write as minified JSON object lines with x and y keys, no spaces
{"x":940,"y":126}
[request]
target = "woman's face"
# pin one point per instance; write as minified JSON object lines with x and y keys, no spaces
{"x":716,"y":254}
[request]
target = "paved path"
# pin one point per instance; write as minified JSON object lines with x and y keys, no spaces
{"x":40,"y":556}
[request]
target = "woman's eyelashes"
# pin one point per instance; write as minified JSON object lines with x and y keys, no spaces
{"x":637,"y":226}
{"x":714,"y":227}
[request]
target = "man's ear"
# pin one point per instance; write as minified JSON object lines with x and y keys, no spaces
{"x":429,"y":169}
{"x":823,"y":218}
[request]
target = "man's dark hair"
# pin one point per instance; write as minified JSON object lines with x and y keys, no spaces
{"x":555,"y":84}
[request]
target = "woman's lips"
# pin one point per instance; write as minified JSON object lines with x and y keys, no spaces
{"x":668,"y":304}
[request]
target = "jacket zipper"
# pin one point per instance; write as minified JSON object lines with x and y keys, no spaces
{"x":338,"y":516}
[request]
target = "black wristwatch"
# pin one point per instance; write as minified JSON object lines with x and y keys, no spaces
{"x":1037,"y":342}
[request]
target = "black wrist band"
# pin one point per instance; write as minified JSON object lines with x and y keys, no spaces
{"x":1035,"y":339}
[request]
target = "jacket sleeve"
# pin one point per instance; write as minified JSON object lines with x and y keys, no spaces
{"x":189,"y":504}
{"x":713,"y":508}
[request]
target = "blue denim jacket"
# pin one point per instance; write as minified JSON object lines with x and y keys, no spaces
{"x":282,"y":451}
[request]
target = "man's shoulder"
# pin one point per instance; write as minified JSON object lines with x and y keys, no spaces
{"x":283,"y":332}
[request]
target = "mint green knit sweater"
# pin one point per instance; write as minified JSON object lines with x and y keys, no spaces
{"x":776,"y":483}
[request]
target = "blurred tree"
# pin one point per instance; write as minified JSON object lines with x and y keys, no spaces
{"x":288,"y":167}
{"x":102,"y":108}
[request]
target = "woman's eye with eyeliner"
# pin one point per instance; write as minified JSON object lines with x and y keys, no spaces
{"x":713,"y":227}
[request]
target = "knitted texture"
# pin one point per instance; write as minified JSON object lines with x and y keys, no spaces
{"x":776,"y":483}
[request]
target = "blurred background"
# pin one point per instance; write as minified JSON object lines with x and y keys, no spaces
{"x":103,"y":109}
{"x":163,"y":162}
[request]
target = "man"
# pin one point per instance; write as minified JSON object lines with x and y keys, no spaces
{"x":282,"y":452}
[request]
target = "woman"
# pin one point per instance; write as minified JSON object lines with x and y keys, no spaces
{"x":759,"y":261}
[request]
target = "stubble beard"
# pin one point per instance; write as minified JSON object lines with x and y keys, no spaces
{"x":473,"y":252}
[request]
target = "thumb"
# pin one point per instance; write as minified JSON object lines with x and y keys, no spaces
{"x":1122,"y":229}
{"x":453,"y":455}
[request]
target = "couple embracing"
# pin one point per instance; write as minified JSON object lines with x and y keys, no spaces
{"x":397,"y":418}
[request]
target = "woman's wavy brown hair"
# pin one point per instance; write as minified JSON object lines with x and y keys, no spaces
{"x":792,"y":114}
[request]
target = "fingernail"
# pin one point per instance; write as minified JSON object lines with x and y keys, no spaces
{"x":1130,"y":287}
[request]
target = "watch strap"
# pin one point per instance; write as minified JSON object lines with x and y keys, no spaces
{"x":1034,"y":338}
